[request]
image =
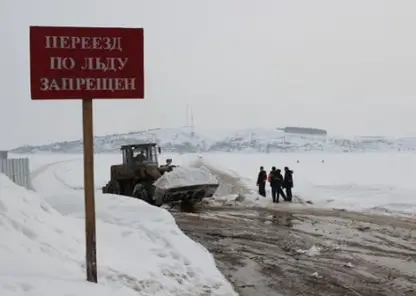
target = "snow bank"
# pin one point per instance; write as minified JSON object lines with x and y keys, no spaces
{"x":232,"y":186}
{"x":185,"y":176}
{"x":140,"y":250}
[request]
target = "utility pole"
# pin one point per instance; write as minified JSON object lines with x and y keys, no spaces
{"x":187,"y":116}
{"x":192,"y":123}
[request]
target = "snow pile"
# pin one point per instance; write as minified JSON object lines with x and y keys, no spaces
{"x":140,"y":250}
{"x":185,"y":176}
{"x":232,"y":186}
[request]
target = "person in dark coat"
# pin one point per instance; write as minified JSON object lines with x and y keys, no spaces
{"x":261,"y":181}
{"x":276,"y":181}
{"x":280,"y":189}
{"x":288,"y":183}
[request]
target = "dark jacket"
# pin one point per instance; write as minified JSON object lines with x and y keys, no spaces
{"x":275,"y":179}
{"x":262,"y":177}
{"x":288,"y":179}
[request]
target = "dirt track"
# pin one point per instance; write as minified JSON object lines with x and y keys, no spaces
{"x":291,"y":250}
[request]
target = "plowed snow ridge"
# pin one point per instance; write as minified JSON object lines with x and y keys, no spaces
{"x":230,"y":182}
{"x":140,"y":248}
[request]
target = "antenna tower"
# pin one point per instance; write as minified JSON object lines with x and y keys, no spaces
{"x":187,"y":116}
{"x":192,"y":123}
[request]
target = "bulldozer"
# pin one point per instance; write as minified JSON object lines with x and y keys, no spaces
{"x":140,"y":170}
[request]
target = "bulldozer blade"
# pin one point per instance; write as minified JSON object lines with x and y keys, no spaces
{"x":184,"y":193}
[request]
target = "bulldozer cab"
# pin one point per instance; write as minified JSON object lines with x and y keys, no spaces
{"x":140,"y":154}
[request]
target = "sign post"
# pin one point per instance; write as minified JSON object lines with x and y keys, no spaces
{"x":87,"y":63}
{"x":88,"y":140}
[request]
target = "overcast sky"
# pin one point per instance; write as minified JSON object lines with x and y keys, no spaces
{"x":346,"y":66}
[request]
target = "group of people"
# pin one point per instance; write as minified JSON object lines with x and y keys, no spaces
{"x":278,"y":182}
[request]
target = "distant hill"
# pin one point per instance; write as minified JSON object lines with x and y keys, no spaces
{"x":181,"y":140}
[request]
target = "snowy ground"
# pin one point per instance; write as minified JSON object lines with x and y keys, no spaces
{"x":382,"y":183}
{"x":374,"y":183}
{"x":140,"y":249}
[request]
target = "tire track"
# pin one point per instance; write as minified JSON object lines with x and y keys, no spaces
{"x":43,"y":169}
{"x":264,"y":251}
{"x":63,"y":182}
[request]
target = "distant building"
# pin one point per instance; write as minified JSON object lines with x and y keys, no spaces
{"x":304,"y":130}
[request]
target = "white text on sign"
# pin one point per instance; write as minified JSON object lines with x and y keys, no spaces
{"x":83,"y":43}
{"x":95,"y":63}
{"x":88,"y":64}
{"x":89,"y":84}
